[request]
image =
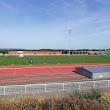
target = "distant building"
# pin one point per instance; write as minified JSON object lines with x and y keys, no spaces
{"x":35,"y":52}
{"x":1,"y":54}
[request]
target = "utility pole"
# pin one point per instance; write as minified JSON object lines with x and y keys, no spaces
{"x":69,"y":31}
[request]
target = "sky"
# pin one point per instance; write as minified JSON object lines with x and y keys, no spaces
{"x":55,"y":24}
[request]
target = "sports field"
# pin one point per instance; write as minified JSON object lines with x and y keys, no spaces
{"x":15,"y":70}
{"x":15,"y":60}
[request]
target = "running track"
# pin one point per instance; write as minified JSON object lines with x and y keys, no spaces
{"x":42,"y":69}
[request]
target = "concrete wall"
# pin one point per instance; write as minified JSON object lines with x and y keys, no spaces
{"x":101,"y":75}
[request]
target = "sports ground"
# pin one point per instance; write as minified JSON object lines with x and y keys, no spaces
{"x":55,"y":59}
{"x":45,"y":69}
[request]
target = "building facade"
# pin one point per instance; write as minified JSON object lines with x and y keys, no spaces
{"x":35,"y":52}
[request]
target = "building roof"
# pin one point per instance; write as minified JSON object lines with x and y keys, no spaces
{"x":98,"y":69}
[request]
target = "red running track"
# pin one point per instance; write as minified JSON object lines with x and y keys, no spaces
{"x":42,"y":69}
{"x":40,"y":78}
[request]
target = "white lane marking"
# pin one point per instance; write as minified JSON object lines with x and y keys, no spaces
{"x":35,"y":67}
{"x":55,"y":66}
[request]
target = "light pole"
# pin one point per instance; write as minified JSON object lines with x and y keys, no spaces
{"x":69,"y":31}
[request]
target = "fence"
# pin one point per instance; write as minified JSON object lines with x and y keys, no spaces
{"x":51,"y":87}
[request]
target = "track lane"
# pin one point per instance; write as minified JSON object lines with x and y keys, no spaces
{"x":40,"y":78}
{"x":42,"y":69}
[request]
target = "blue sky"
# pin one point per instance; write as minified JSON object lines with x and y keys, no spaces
{"x":37,"y":24}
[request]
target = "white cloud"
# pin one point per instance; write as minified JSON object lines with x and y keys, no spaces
{"x":105,"y":2}
{"x":66,"y":8}
{"x":89,"y":28}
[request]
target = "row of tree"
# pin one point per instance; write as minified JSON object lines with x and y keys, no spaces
{"x":5,"y":51}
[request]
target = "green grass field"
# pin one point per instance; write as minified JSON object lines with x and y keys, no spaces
{"x":15,"y":60}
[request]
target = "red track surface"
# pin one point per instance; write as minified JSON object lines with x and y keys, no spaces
{"x":41,"y":69}
{"x":40,"y":78}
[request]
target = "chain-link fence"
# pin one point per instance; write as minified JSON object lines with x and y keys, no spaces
{"x":53,"y":87}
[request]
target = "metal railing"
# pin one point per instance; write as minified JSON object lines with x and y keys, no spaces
{"x":52,"y":87}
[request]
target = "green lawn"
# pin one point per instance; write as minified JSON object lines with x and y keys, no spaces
{"x":15,"y":60}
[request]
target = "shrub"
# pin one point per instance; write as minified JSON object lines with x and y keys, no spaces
{"x":105,"y":98}
{"x":77,"y":94}
{"x":39,"y":103}
{"x":92,"y":94}
{"x":76,"y":104}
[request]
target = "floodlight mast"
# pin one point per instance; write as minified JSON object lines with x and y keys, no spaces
{"x":69,"y":31}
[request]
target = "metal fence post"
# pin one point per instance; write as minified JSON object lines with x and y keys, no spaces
{"x":63,"y":87}
{"x":94,"y":84}
{"x":25,"y":89}
{"x":45,"y":87}
{"x":4,"y":90}
{"x":108,"y":83}
{"x":79,"y":85}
